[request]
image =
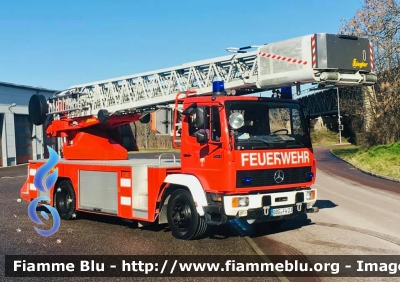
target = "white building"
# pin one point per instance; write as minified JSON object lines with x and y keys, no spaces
{"x":20,"y":140}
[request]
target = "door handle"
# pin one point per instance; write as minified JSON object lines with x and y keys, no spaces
{"x":187,"y":155}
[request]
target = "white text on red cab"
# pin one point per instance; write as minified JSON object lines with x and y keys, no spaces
{"x":275,"y":158}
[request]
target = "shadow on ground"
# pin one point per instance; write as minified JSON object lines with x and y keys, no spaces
{"x":232,"y":228}
{"x":325,"y":204}
{"x":219,"y":232}
{"x":269,"y":228}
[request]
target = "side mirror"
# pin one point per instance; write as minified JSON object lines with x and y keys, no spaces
{"x":190,"y":110}
{"x":201,"y":116}
{"x":201,"y":137}
{"x":145,"y":119}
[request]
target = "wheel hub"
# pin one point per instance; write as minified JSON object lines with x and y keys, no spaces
{"x":181,"y":215}
{"x":64,"y":200}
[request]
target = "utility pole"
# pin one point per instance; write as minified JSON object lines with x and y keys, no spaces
{"x":146,"y":136}
{"x":339,"y":122}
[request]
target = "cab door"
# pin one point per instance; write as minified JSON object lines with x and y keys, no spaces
{"x":204,"y":159}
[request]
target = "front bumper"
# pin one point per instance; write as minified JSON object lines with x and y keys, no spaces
{"x":263,"y":215}
{"x":262,"y":207}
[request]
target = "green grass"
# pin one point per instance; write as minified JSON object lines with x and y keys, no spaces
{"x":325,"y":138}
{"x":382,"y":159}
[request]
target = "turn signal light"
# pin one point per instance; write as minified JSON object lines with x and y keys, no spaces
{"x":310,"y":195}
{"x":313,"y":194}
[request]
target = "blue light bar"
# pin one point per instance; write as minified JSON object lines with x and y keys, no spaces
{"x":286,"y":93}
{"x":286,"y":90}
{"x":218,"y":87}
{"x":247,"y":180}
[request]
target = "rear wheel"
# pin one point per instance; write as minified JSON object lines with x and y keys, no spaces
{"x":183,"y":220}
{"x":64,"y":199}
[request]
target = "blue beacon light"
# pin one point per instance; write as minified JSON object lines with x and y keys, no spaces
{"x":218,"y":88}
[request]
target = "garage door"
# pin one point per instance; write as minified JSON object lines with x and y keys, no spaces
{"x":23,"y":141}
{"x":1,"y":138}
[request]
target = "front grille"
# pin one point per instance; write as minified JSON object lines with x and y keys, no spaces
{"x":265,"y":177}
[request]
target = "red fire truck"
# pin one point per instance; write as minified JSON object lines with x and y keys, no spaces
{"x":241,"y":155}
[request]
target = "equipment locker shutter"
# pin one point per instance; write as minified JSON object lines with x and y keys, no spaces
{"x":23,"y":138}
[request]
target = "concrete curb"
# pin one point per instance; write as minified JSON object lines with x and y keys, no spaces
{"x":366,"y":172}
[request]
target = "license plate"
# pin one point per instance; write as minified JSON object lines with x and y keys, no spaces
{"x":281,"y":211}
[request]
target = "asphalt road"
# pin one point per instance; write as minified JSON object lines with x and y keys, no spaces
{"x":99,"y":235}
{"x":334,"y":166}
{"x":358,"y":215}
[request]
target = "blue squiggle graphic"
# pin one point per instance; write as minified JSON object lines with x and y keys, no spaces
{"x":43,"y":175}
{"x":44,"y":169}
{"x":35,"y":218}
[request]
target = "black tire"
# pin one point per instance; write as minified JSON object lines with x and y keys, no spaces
{"x":183,"y":220}
{"x":103,"y":116}
{"x":65,"y":200}
{"x":38,"y":109}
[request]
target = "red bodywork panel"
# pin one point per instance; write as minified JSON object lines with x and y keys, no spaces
{"x":88,"y":146}
{"x":88,"y":139}
{"x":155,"y":176}
{"x":216,"y":165}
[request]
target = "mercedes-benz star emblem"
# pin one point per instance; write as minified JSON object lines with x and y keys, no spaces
{"x":279,"y":176}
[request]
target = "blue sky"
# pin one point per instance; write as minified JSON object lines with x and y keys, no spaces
{"x":56,"y":44}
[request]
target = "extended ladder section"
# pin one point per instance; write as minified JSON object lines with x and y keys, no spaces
{"x":317,"y":58}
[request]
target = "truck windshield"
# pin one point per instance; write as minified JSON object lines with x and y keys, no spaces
{"x":267,"y":125}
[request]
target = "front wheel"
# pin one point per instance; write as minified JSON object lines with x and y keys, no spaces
{"x":183,"y":220}
{"x":64,"y":198}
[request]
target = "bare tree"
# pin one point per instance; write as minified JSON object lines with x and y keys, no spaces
{"x":146,"y":139}
{"x":379,"y":20}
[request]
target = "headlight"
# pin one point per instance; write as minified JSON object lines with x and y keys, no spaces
{"x":236,"y":120}
{"x":240,"y":202}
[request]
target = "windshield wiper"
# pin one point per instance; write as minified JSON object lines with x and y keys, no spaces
{"x":256,"y":140}
{"x":297,"y":143}
{"x":261,"y":147}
